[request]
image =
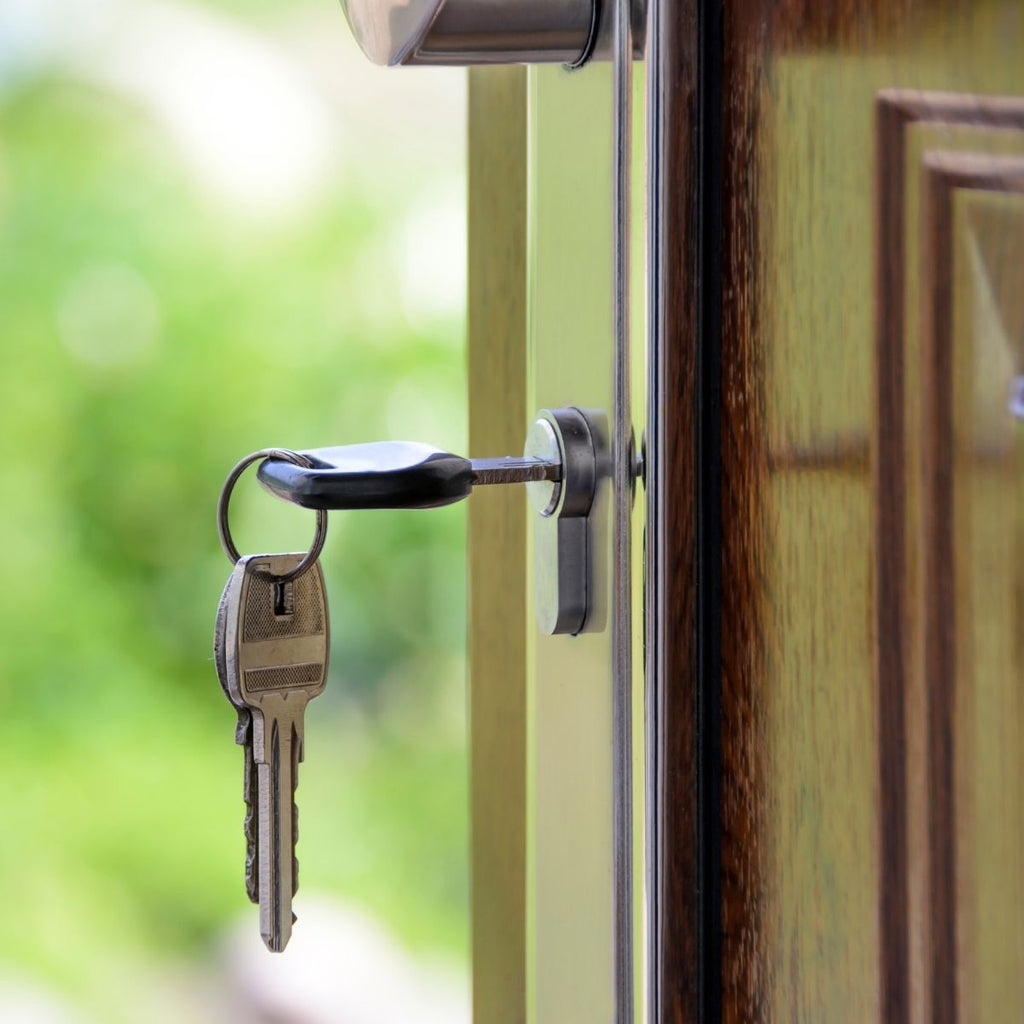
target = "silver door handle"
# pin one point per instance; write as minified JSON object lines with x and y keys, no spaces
{"x":461,"y":32}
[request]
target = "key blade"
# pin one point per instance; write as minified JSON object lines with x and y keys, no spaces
{"x":276,"y":834}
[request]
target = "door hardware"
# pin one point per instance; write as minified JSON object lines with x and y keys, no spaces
{"x":573,"y":33}
{"x":561,"y":466}
{"x":465,"y":32}
{"x":562,"y":570}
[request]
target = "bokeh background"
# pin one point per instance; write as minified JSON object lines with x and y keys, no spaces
{"x":222,"y":229}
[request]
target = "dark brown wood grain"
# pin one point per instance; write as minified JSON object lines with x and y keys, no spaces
{"x":672,"y":72}
{"x":782,"y":943}
{"x":939,"y":607}
{"x":744,"y":469}
{"x":890,"y":555}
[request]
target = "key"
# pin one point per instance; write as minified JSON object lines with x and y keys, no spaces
{"x":243,"y":737}
{"x":276,"y":643}
{"x":393,"y":474}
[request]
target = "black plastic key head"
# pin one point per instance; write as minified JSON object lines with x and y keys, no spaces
{"x":382,"y":474}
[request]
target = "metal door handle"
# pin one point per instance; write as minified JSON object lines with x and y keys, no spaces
{"x":462,"y":32}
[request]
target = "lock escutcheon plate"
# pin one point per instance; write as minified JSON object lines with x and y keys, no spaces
{"x":562,"y":557}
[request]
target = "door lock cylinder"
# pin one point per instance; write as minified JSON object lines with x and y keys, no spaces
{"x":560,"y":466}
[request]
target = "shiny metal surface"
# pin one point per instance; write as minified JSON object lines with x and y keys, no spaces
{"x":655,"y":619}
{"x":542,"y":443}
{"x":463,"y":32}
{"x":623,"y":467}
{"x":224,"y":527}
{"x":243,"y":737}
{"x":561,"y":544}
{"x":271,"y":656}
{"x":508,"y":469}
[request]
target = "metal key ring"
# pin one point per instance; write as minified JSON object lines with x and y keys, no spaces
{"x":287,"y":455}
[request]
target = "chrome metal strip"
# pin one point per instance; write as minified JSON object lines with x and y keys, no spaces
{"x":654,"y":475}
{"x":623,"y":466}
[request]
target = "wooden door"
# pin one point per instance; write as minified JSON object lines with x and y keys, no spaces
{"x":833,"y":339}
{"x":839,"y":280}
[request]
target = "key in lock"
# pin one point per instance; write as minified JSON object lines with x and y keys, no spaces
{"x":565,"y":458}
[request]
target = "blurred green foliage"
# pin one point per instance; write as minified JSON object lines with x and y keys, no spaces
{"x":121,"y":784}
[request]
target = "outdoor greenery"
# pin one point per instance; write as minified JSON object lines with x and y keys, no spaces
{"x":149,"y":340}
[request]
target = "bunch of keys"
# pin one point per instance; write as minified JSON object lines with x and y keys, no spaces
{"x":271,"y":645}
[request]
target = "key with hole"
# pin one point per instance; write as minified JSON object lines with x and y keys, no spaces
{"x":275,"y":642}
{"x":394,"y":474}
{"x":565,"y":457}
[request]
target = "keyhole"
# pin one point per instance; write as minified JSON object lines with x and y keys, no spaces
{"x":284,"y":598}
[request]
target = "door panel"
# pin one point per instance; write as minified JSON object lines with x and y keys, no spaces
{"x":911,"y":127}
{"x":570,"y":783}
{"x":846,"y":714}
{"x":499,"y":601}
{"x":558,"y":689}
{"x":833,"y":558}
{"x":988,"y":236}
{"x":970,"y":341}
